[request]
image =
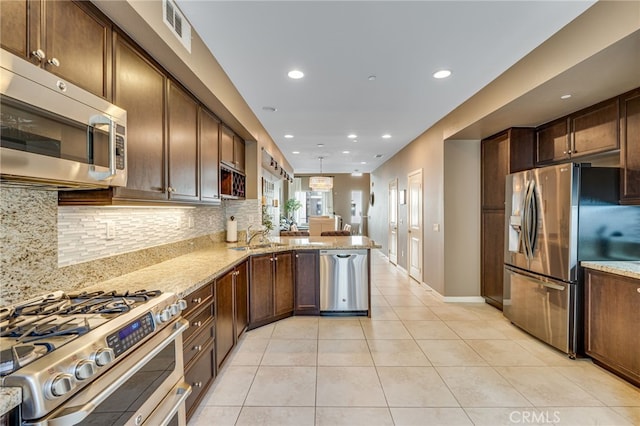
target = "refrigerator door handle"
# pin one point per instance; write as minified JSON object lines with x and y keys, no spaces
{"x":547,"y":282}
{"x":526,"y":219}
{"x":533,"y":230}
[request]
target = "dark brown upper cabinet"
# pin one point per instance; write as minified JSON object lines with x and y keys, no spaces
{"x":590,"y":131}
{"x":209,"y":158}
{"x":182,"y":112}
{"x":630,"y":146}
{"x":231,"y":149}
{"x":68,"y":38}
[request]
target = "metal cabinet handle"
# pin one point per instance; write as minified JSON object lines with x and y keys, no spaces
{"x":297,"y":256}
{"x":54,"y":61}
{"x":170,"y":189}
{"x":638,"y":289}
{"x":38,"y":54}
{"x":197,"y":323}
{"x":197,"y":348}
{"x":198,"y":384}
{"x":275,"y":258}
{"x":198,"y":300}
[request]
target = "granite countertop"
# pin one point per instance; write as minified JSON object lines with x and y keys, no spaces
{"x":10,"y":397}
{"x":629,"y":269}
{"x":185,"y":274}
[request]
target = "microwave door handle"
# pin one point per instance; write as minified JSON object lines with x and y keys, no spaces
{"x":97,"y":120}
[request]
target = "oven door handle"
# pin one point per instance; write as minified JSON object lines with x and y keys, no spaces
{"x":161,"y":416}
{"x":74,"y":415}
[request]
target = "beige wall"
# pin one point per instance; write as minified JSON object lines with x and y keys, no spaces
{"x":462,"y":218}
{"x":598,"y":28}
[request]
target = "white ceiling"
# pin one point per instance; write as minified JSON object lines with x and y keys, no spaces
{"x":339,"y":44}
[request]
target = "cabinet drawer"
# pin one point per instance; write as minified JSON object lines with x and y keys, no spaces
{"x":198,"y":342}
{"x":197,"y":322}
{"x":198,"y":298}
{"x":199,"y":377}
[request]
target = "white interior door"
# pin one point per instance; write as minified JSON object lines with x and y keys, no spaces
{"x":414,"y":201}
{"x":393,"y":222}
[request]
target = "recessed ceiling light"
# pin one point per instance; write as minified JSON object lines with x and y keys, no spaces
{"x":363,"y":162}
{"x":352,"y":136}
{"x":320,"y":145}
{"x":295,"y":74}
{"x":371,"y":77}
{"x":345,"y":152}
{"x":386,"y":136}
{"x":269,"y":108}
{"x":288,"y":136}
{"x":442,"y":74}
{"x":355,"y":140}
{"x":567,"y":96}
{"x":295,"y":152}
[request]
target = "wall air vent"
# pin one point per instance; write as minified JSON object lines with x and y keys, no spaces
{"x":180,"y":27}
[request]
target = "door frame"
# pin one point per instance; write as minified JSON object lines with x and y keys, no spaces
{"x":415,"y":231}
{"x":392,"y":230}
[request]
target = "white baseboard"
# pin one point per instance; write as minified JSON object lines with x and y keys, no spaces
{"x":464,"y":299}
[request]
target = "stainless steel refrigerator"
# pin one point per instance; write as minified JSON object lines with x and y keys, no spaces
{"x":556,"y":217}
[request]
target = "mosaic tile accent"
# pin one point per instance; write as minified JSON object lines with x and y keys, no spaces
{"x":46,"y":247}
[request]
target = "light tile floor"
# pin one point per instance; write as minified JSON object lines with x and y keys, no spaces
{"x":416,"y":361}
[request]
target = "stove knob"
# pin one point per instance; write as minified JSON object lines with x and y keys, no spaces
{"x":103,"y":356}
{"x":164,"y":316}
{"x":182,"y":304}
{"x":175,"y":309}
{"x":85,"y":369}
{"x":61,"y":384}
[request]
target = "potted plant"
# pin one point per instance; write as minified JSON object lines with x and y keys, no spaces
{"x":290,"y":207}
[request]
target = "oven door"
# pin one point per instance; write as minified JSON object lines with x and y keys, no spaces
{"x":146,"y":387}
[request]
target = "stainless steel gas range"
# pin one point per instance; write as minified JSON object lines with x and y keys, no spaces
{"x":96,"y":358}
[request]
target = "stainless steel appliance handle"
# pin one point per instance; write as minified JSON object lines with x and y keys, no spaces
{"x":537,"y":278}
{"x":81,"y":412}
{"x":179,"y":394}
{"x":525,"y":222}
{"x":533,"y":206}
{"x":103,"y":119}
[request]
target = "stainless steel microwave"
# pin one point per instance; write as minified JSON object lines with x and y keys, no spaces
{"x":54,"y":135}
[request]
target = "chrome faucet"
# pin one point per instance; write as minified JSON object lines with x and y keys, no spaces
{"x":262,"y":234}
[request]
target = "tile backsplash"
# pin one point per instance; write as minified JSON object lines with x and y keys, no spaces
{"x":45,"y":247}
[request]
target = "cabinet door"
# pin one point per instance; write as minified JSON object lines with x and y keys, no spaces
{"x":630,"y":144}
{"x":284,"y":287}
{"x":209,"y":161}
{"x":242,"y":299}
{"x":140,"y":90}
{"x":238,"y":153}
{"x":199,"y":376}
{"x":307,"y":282}
{"x":224,"y":316}
{"x":261,"y":289}
{"x":226,"y":146}
{"x":612,"y":318}
{"x":80,"y":40}
{"x":492,"y":256}
{"x":183,"y":145}
{"x":552,"y":142}
{"x":15,"y":26}
{"x":521,"y":149}
{"x":595,"y":129}
{"x":495,"y":167}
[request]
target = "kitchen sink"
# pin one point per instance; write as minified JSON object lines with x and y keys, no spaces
{"x":257,"y":246}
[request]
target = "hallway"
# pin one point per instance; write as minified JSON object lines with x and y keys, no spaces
{"x":417,"y":361}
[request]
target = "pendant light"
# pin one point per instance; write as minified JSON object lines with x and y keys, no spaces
{"x":321,"y":183}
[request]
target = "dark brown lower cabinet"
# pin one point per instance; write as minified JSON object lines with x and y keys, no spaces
{"x":492,"y":271}
{"x":271,"y":288}
{"x":241,"y":299}
{"x":307,"y":282}
{"x":198,"y":346}
{"x":200,"y":375}
{"x":224,"y":301}
{"x":612,"y":315}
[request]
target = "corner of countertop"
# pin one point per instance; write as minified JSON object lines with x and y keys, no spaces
{"x":10,"y":397}
{"x":630,"y":269}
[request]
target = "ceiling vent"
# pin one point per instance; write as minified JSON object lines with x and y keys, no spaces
{"x":179,"y":25}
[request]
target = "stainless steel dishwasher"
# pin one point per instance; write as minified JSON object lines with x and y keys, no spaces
{"x":344,"y":282}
